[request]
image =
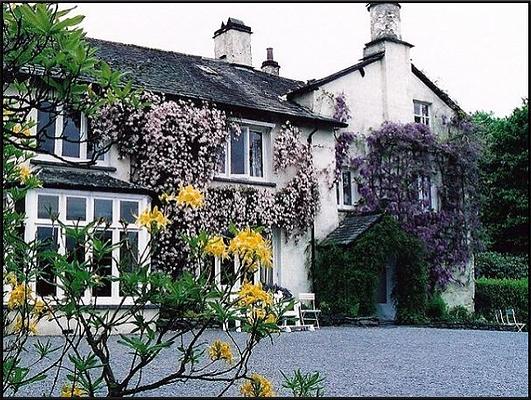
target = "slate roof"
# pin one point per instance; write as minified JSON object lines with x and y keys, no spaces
{"x":351,"y":228}
{"x":205,"y":78}
{"x":315,"y":83}
{"x":68,"y":177}
{"x":438,"y":91}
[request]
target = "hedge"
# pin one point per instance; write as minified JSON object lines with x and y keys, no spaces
{"x":499,"y":294}
{"x":491,"y":264}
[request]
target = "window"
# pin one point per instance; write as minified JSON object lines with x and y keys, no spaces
{"x":421,"y":112}
{"x":76,"y":208}
{"x":81,"y":208}
{"x":64,"y":133}
{"x":428,"y":194}
{"x":346,"y":190}
{"x":48,"y":206}
{"x":244,"y":154}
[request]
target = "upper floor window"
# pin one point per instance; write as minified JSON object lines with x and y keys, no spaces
{"x":64,"y":133}
{"x":346,"y":190}
{"x":244,"y":154}
{"x":421,"y":112}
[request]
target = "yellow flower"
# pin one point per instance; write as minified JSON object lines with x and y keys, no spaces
{"x":190,"y":196}
{"x":39,"y":308}
{"x":26,"y":132}
{"x":67,"y":391}
{"x":220,"y":350}
{"x":21,"y":326}
{"x":158,"y":217}
{"x":17,"y":128}
{"x":251,"y":295}
{"x":24,"y":173}
{"x":257,"y":386}
{"x":216,"y":247}
{"x":166,"y":198}
{"x":20,"y":294}
{"x":154,"y":218}
{"x":11,"y":278}
{"x":252,"y":247}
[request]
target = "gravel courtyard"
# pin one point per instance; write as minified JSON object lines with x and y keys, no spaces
{"x":386,"y":361}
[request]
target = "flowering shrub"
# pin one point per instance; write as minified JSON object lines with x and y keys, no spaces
{"x":405,"y":160}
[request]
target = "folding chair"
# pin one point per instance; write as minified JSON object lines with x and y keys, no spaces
{"x":510,"y":318}
{"x":308,"y":310}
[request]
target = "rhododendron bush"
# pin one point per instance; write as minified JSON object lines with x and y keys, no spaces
{"x":175,"y":143}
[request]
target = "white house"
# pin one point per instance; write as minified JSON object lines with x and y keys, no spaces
{"x":383,"y":85}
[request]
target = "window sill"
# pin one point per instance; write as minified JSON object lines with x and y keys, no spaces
{"x":244,"y":181}
{"x":62,"y":164}
{"x":346,"y":208}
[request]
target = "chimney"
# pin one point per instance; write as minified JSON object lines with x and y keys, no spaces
{"x":232,"y":42}
{"x":270,"y":65}
{"x":385,"y":20}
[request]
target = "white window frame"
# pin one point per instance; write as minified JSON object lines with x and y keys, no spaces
{"x":58,"y":146}
{"x":353,"y":188}
{"x":33,"y":222}
{"x":424,"y":119}
{"x":246,"y":126}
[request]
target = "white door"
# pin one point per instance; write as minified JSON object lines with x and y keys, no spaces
{"x":385,"y":306}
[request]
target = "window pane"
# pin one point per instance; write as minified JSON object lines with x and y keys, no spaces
{"x":71,"y":133}
{"x":103,"y":267}
{"x":46,"y":128}
{"x":347,"y":188}
{"x":128,"y":211}
{"x":103,"y":209}
{"x":76,"y":208}
{"x":93,"y":145}
{"x":128,"y":254}
{"x":47,"y":206}
{"x":221,"y":167}
{"x":237,"y":153}
{"x":417,"y":119}
{"x":416,"y":108}
{"x":75,"y":249}
{"x":425,"y":110}
{"x":255,"y":153}
{"x":337,"y":193}
{"x":45,"y":284}
{"x":227,"y":271}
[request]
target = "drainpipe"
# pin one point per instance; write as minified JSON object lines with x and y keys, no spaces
{"x":312,"y":232}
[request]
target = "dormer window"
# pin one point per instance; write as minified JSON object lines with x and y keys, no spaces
{"x":63,"y":133}
{"x":421,"y":112}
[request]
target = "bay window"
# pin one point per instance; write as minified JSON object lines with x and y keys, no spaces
{"x":244,"y":155}
{"x":77,"y":208}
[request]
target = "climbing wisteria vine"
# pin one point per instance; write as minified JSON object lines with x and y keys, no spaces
{"x":176,"y":143}
{"x":427,"y":181}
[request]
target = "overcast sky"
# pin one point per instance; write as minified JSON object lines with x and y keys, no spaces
{"x":477,"y":52}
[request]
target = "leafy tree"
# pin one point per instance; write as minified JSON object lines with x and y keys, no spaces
{"x":505,"y":179}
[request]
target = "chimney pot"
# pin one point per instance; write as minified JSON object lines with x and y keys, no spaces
{"x":270,"y":66}
{"x":385,"y":20}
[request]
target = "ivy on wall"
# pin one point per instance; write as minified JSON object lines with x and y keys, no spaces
{"x":346,"y":277}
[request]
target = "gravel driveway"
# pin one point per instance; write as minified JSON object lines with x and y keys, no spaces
{"x":386,"y":361}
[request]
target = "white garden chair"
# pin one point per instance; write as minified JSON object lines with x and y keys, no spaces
{"x":510,"y":319}
{"x":309,"y":312}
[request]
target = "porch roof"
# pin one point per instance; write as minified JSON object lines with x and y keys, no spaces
{"x":62,"y":176}
{"x":351,"y":228}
